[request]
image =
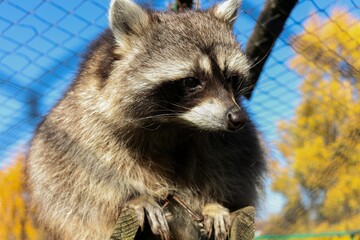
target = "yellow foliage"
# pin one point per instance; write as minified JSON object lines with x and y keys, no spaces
{"x":321,"y":143}
{"x":325,"y":43}
{"x":14,"y":221}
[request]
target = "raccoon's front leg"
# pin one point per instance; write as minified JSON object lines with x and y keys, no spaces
{"x":147,"y":205}
{"x":216,"y":217}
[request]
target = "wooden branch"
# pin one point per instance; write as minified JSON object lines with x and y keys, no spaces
{"x":269,"y":25}
{"x":181,"y":5}
{"x":184,"y":4}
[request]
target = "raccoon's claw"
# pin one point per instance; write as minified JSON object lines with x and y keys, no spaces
{"x":154,"y":213}
{"x":218,"y":218}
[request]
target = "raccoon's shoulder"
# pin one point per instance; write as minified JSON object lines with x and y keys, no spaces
{"x":98,"y":59}
{"x":96,"y":66}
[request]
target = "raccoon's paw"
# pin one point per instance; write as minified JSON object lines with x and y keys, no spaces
{"x":216,"y":217}
{"x":155,"y":215}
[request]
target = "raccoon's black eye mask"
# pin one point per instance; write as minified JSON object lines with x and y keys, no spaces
{"x":236,"y":83}
{"x":191,"y":83}
{"x":177,"y":96}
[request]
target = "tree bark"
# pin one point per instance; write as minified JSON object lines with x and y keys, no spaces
{"x":269,"y":25}
{"x":181,"y":5}
{"x":184,"y":4}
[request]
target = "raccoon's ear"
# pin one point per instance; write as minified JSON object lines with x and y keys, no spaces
{"x":127,"y":19}
{"x":226,"y":11}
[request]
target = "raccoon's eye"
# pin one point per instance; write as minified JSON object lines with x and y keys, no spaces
{"x":191,"y":82}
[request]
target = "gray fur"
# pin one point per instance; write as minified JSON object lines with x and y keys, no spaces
{"x":118,"y":133}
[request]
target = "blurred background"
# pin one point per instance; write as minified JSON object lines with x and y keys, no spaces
{"x":306,"y":104}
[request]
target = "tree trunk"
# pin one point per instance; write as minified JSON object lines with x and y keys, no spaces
{"x":269,"y":25}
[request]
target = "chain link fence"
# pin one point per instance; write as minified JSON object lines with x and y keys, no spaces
{"x":41,"y":43}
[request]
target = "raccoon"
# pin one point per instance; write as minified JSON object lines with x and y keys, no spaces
{"x":154,"y":110}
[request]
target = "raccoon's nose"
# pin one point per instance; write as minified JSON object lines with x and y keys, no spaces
{"x":236,"y":119}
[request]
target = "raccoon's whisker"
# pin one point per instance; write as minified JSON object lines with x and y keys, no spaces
{"x":163,"y":107}
{"x":173,"y":104}
{"x":267,"y":53}
{"x":181,"y":107}
{"x":238,"y":89}
{"x":153,"y":117}
{"x":259,"y":86}
{"x":147,"y":118}
{"x":148,"y":127}
{"x":246,"y":89}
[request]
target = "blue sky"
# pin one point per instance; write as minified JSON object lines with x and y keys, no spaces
{"x":41,"y":43}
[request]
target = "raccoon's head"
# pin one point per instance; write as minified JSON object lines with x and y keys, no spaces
{"x":179,"y":67}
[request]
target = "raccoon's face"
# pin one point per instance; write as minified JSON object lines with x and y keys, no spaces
{"x":181,"y":67}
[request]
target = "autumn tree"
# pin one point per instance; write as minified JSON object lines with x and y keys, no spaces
{"x":320,"y":178}
{"x":14,"y":220}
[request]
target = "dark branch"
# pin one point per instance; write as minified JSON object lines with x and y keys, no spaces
{"x":184,"y":4}
{"x":269,"y":26}
{"x":181,"y":5}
